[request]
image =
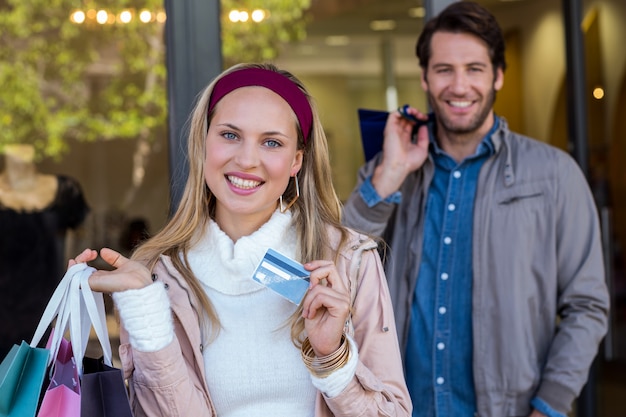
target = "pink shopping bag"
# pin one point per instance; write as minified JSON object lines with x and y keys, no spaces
{"x":62,"y":397}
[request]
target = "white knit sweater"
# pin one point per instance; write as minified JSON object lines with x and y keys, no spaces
{"x":252,"y":368}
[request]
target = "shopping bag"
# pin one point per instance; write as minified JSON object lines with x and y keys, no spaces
{"x":23,"y":370}
{"x":372,"y":126}
{"x":75,"y":307}
{"x":22,"y":374}
{"x":62,"y":397}
{"x":103,"y":390}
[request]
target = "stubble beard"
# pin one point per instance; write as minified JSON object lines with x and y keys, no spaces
{"x":475,"y":122}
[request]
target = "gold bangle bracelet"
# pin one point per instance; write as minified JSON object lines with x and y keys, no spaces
{"x":323,"y":366}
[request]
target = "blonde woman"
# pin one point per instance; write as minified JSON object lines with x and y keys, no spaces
{"x":199,"y":336}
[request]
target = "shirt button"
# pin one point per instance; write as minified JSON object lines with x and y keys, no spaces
{"x":447,"y":240}
{"x":442,"y":310}
{"x":457,"y":174}
{"x":444,"y":276}
{"x":441,"y":346}
{"x":439,"y":381}
{"x":451,"y":207}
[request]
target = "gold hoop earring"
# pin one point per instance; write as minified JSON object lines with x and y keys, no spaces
{"x":291,"y":203}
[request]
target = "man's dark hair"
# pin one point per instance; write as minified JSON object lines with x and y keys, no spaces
{"x":464,"y":17}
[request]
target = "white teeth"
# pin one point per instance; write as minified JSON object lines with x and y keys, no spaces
{"x":460,"y":103}
{"x":241,"y":183}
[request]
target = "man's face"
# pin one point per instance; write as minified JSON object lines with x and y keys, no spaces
{"x":460,"y":83}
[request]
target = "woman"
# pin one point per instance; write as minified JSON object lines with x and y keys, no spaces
{"x":199,"y":336}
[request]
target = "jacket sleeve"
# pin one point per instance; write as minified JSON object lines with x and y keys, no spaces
{"x":166,"y":382}
{"x":378,"y":387}
{"x":358,"y":215}
{"x":583,"y":300}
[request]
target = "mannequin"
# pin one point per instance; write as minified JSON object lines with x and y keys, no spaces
{"x":36,"y":212}
{"x":22,"y":188}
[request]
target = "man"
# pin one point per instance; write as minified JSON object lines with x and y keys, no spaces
{"x":494,"y":260}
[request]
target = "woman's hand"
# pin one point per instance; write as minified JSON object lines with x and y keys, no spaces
{"x":86,"y":256}
{"x":126,"y":275}
{"x":325,"y":307}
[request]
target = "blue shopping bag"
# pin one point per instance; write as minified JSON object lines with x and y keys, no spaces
{"x":372,"y":126}
{"x":22,"y":374}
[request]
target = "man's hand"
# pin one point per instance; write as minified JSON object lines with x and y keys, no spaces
{"x":400,"y":155}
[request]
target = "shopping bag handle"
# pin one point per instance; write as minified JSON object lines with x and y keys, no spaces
{"x":73,"y":304}
{"x":58,"y":308}
{"x":87,"y":311}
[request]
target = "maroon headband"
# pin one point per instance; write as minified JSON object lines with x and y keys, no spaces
{"x":271,"y":80}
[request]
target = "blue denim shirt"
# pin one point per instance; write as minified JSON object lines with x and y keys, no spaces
{"x":371,"y":197}
{"x":439,"y":350}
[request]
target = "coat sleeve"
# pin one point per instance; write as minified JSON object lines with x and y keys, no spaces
{"x":167,"y":382}
{"x":378,"y":387}
{"x":358,"y":215}
{"x":583,"y":300}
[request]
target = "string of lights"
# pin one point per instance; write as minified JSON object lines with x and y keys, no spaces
{"x":107,"y":17}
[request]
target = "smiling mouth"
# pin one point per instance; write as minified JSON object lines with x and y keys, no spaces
{"x":460,"y":104}
{"x":243,"y":184}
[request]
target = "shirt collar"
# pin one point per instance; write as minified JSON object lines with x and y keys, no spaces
{"x":486,"y":146}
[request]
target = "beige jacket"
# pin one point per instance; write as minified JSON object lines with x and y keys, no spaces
{"x":172,"y":383}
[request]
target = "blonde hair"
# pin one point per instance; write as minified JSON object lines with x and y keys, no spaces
{"x":317,"y":208}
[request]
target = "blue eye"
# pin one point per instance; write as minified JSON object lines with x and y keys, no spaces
{"x":229,"y":135}
{"x":272,"y":143}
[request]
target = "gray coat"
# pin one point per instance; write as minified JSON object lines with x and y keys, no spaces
{"x":539,"y":298}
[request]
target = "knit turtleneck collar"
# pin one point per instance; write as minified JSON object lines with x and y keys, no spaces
{"x":227,"y":266}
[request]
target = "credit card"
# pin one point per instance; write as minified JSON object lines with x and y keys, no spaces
{"x":282,"y":275}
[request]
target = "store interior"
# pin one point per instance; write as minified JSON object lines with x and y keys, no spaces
{"x":360,"y":54}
